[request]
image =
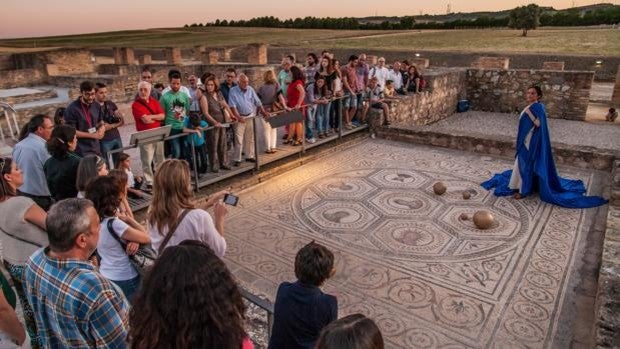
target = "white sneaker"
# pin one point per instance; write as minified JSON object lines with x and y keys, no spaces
{"x":311,"y":140}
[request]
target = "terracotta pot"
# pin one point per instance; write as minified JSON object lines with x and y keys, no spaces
{"x":439,"y":188}
{"x":483,"y":219}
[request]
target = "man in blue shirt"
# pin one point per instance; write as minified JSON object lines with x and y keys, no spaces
{"x":30,"y":154}
{"x":85,"y":116}
{"x":243,"y":102}
{"x":74,"y":305}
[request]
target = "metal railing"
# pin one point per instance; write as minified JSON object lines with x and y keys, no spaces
{"x":261,"y":303}
{"x":196,"y":178}
{"x":11,"y":121}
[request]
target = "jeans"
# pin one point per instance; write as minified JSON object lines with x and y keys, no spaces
{"x":176,"y":145}
{"x":322,"y":117}
{"x":201,"y":158}
{"x":129,"y":287}
{"x":107,"y":146}
{"x":310,"y":120}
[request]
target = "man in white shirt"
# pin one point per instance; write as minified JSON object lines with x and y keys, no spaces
{"x":397,"y":77}
{"x":183,"y":88}
{"x":381,"y":72}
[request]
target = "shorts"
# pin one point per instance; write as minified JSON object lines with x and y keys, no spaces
{"x":350,"y":101}
{"x":377,"y":105}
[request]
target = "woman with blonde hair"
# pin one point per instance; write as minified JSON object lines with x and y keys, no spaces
{"x":173,"y":215}
{"x":271,"y":96}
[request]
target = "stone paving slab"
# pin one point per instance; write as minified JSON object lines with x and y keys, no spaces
{"x":405,"y":259}
{"x":599,"y":135}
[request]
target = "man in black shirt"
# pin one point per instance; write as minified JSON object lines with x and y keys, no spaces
{"x":112,"y":120}
{"x":85,"y":116}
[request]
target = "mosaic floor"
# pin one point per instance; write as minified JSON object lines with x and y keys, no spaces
{"x":403,"y":256}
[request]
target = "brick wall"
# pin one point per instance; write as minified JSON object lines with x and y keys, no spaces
{"x":445,"y":88}
{"x":566,"y":93}
{"x":21,"y":78}
{"x":68,"y":61}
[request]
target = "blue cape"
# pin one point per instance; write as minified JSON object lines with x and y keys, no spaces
{"x":538,"y":170}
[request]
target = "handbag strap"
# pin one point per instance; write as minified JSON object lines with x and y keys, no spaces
{"x":113,"y":233}
{"x":171,"y":231}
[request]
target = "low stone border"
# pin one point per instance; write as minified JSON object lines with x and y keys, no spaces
{"x":607,"y":306}
{"x":565,"y":154}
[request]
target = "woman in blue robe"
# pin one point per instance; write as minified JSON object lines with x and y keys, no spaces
{"x":534,"y":168}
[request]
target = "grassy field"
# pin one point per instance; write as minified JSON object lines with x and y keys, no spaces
{"x":188,"y":37}
{"x":566,"y":40}
{"x":580,"y":41}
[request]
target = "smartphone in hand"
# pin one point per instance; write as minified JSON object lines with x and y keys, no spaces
{"x":231,"y":199}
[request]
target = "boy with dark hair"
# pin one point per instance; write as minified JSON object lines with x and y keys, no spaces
{"x":302,"y":309}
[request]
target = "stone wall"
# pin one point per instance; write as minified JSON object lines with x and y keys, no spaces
{"x":603,"y":72}
{"x":21,"y":78}
{"x":44,"y":94}
{"x":566,"y":93}
{"x":607,"y":327}
{"x":438,"y":101}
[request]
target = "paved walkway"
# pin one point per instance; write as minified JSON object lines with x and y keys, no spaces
{"x":600,"y":135}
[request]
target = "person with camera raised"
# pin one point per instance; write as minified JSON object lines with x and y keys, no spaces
{"x":112,"y":120}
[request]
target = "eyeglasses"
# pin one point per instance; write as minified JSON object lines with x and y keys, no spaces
{"x":230,"y":76}
{"x":88,"y":94}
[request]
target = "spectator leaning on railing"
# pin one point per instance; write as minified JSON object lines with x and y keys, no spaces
{"x":148,"y":114}
{"x":214,"y":108}
{"x":61,"y":168}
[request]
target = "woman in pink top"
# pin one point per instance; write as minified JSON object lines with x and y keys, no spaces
{"x":189,"y":299}
{"x":296,"y":95}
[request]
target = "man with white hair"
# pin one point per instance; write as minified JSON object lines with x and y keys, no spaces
{"x":380,"y":72}
{"x":148,"y":114}
{"x":243,"y":102}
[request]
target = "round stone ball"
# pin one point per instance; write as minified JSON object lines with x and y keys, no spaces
{"x":466,"y":195}
{"x":464,"y":216}
{"x":483,"y":219}
{"x":439,"y":188}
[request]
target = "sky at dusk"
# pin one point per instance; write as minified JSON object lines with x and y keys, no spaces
{"x":27,"y":18}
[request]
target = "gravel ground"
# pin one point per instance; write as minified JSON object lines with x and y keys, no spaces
{"x":600,"y":135}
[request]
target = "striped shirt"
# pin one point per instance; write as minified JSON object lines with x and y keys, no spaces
{"x":74,"y":305}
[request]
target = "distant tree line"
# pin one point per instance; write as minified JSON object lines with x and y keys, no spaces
{"x":564,"y":18}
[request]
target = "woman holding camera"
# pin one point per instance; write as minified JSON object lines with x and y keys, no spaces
{"x":174,"y":211}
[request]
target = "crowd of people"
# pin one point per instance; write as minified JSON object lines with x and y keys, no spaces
{"x":69,"y":238}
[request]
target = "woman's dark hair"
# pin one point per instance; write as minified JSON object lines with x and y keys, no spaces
{"x":297,"y":74}
{"x":204,"y":78}
{"x":314,"y":264}
{"x":323,"y":90}
{"x":59,"y":116}
{"x":351,"y":332}
{"x":87,"y":171}
{"x":121,"y":176}
{"x":32,"y":125}
{"x":121,"y":157}
{"x":58,"y":144}
{"x":105,"y":193}
{"x":5,"y":189}
{"x":538,"y":91}
{"x":189,"y":299}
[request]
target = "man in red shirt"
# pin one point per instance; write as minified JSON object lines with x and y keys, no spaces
{"x":148,"y":114}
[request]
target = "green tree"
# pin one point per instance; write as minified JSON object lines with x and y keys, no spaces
{"x":407,"y":22}
{"x":525,"y":18}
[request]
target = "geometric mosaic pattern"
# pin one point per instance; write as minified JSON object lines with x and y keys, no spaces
{"x":403,"y":256}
